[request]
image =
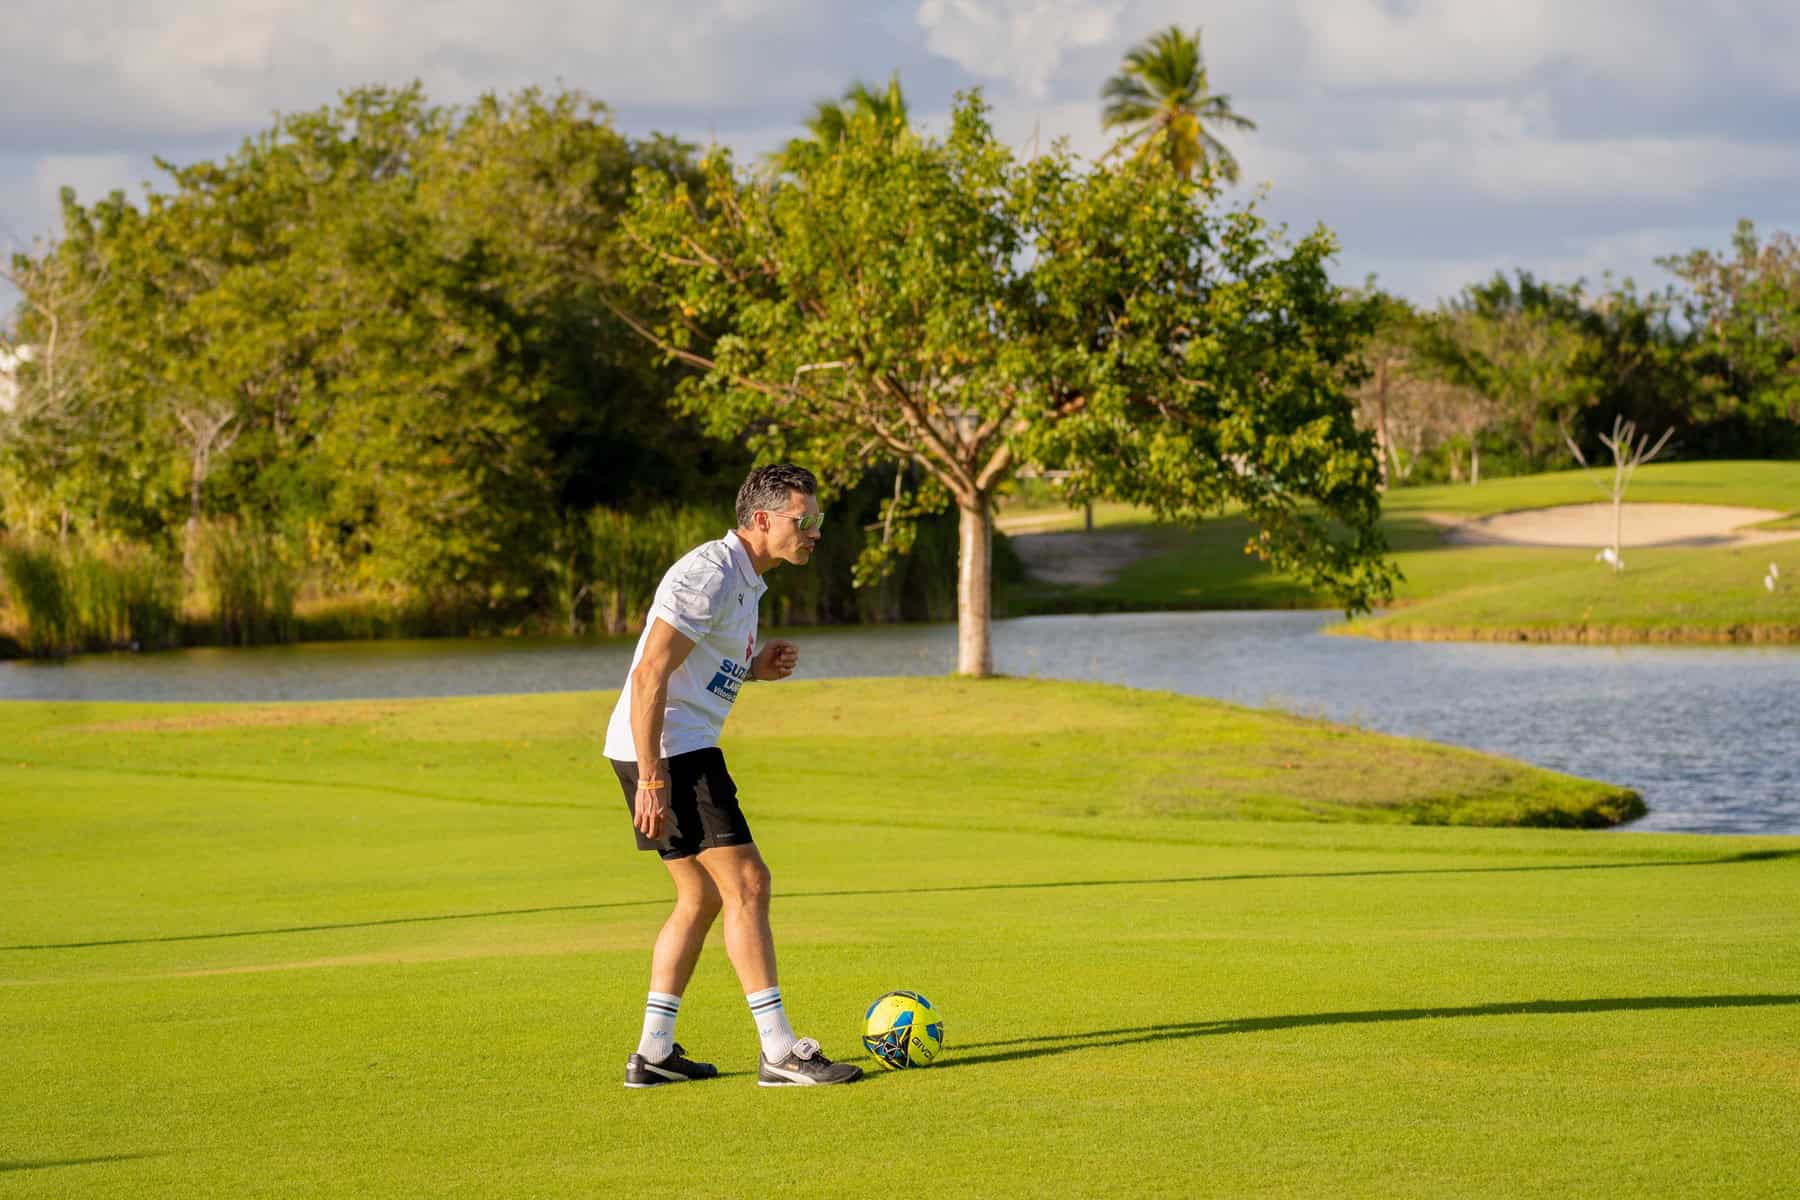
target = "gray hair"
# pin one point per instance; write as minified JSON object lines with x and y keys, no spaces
{"x":767,"y":488}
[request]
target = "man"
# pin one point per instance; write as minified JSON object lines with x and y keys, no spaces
{"x":698,"y":646}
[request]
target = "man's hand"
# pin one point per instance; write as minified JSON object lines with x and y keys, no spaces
{"x":774,"y":661}
{"x":650,"y":813}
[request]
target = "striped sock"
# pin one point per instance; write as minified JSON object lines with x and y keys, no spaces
{"x":771,"y":1023}
{"x":658,"y":1039}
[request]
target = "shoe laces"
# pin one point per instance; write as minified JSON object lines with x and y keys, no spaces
{"x":806,"y":1048}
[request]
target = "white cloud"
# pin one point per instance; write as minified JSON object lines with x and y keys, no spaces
{"x":1442,"y":138}
{"x":1645,"y":47}
{"x":1019,"y":41}
{"x":185,"y":68}
{"x":1629,"y":254}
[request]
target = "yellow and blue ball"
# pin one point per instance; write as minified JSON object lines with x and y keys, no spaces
{"x":902,"y":1029}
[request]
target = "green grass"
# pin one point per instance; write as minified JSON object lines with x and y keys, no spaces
{"x":1663,"y":595}
{"x":399,"y":949}
{"x":1745,"y":484}
{"x":1486,"y":591}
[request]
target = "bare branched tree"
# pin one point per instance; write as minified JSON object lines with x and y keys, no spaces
{"x":205,"y":426}
{"x":1630,"y":451}
{"x":55,"y":406}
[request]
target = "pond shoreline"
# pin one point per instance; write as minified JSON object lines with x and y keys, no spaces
{"x":1697,"y":731}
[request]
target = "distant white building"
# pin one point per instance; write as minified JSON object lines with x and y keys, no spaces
{"x":10,"y":361}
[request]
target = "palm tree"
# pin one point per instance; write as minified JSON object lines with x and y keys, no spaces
{"x":832,"y":117}
{"x":1160,"y":97}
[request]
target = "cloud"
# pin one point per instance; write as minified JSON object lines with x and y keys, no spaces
{"x":1631,"y":254}
{"x":1019,"y":41}
{"x":128,"y":68}
{"x":1440,"y":138}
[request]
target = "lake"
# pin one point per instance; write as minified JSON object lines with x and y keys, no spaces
{"x":1709,"y":735}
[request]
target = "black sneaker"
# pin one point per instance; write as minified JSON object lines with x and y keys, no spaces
{"x":640,"y":1072}
{"x":804,"y":1066}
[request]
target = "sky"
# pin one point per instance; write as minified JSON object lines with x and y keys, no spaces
{"x":1441,"y":140}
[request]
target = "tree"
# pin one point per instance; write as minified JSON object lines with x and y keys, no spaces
{"x":860,"y":102}
{"x":53,"y":414}
{"x":941,"y":305}
{"x":1406,"y":397}
{"x":1529,"y":349}
{"x":1747,"y":303}
{"x":1161,"y":97}
{"x":376,"y":326}
{"x":1629,"y":452}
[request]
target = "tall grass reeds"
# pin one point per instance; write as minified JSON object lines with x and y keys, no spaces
{"x":627,"y":554}
{"x":39,"y":596}
{"x":247,"y":583}
{"x":69,"y":596}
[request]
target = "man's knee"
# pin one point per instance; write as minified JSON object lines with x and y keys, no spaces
{"x":704,"y":906}
{"x":752,"y":879}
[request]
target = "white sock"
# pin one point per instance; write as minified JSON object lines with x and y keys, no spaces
{"x":771,"y":1023}
{"x":657,"y":1041}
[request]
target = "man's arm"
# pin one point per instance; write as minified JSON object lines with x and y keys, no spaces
{"x":665,"y":648}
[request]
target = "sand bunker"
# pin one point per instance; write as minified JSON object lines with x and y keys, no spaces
{"x":1641,"y":525}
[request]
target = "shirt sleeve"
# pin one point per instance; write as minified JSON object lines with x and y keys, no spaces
{"x":690,"y":601}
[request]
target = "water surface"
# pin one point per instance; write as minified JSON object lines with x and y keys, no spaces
{"x":1708,"y":735}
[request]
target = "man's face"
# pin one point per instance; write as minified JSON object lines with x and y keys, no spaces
{"x":787,"y":541}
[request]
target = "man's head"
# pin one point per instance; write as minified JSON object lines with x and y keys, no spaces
{"x":778,"y":514}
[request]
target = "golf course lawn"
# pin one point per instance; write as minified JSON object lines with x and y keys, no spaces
{"x":399,"y":948}
{"x":1665,"y":594}
{"x":1481,"y":592}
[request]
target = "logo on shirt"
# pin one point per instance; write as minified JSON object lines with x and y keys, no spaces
{"x":726,"y":681}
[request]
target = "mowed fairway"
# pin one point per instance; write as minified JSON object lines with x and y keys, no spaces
{"x":400,"y":949}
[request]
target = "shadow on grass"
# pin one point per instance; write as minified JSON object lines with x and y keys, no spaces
{"x":1748,"y":856}
{"x":1102,"y":1039}
{"x":45,"y":1164}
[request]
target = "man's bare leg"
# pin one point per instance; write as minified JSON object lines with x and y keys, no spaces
{"x":683,"y":935}
{"x":671,"y":966}
{"x":742,"y":882}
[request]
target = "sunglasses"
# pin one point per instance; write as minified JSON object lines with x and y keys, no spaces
{"x":807,"y":521}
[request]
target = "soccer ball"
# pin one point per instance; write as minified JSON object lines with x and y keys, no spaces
{"x":902,"y":1030}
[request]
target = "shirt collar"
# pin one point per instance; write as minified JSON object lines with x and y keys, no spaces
{"x":741,"y":556}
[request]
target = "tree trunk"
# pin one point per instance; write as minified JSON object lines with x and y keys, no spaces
{"x":975,"y":590}
{"x":191,"y":541}
{"x":1383,"y":442}
{"x":1474,"y":462}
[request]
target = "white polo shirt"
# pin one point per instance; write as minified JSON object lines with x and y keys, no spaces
{"x":710,"y":596}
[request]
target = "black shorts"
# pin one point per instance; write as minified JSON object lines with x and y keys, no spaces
{"x":704,"y":801}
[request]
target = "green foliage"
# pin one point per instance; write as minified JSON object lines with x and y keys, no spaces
{"x":39,"y":593}
{"x":1529,"y":349}
{"x":1161,"y":98}
{"x":626,"y":555}
{"x":247,"y":583}
{"x":886,"y":110}
{"x":377,"y":326}
{"x":71,"y":596}
{"x":940,"y":304}
{"x":1745,"y":309}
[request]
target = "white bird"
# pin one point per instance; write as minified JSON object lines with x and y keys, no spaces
{"x":1774,"y":571}
{"x":1769,"y":582}
{"x":1608,"y":555}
